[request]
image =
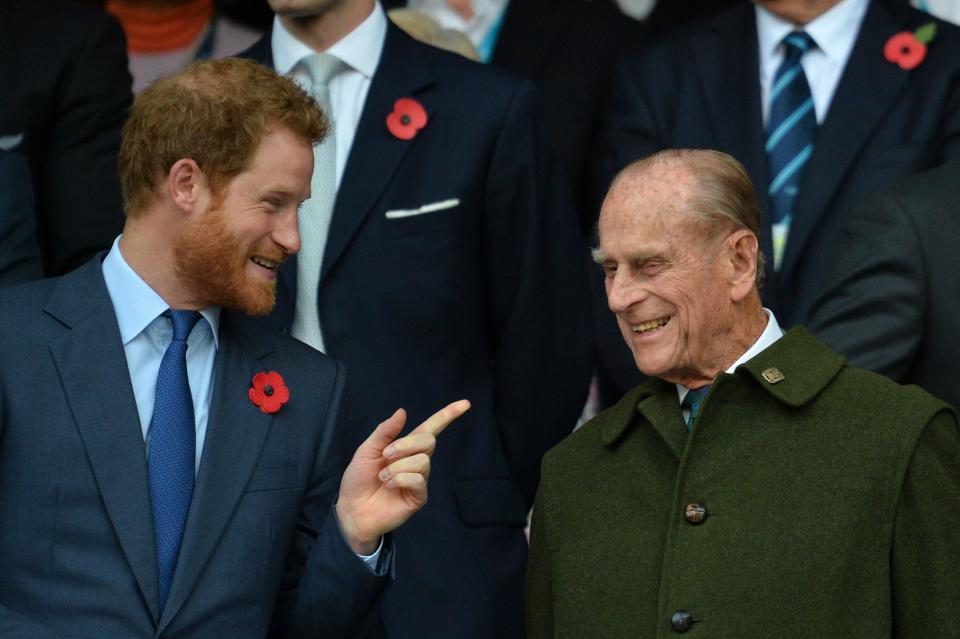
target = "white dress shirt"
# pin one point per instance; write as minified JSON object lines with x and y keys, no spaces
{"x":835,"y":32}
{"x":771,"y":333}
{"x":146,"y":336}
{"x":360,"y":52}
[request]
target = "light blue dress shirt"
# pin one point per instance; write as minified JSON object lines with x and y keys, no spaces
{"x":146,"y":335}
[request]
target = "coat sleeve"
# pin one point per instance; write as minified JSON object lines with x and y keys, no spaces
{"x":926,"y":546}
{"x":535,"y":283}
{"x":875,"y":294}
{"x":81,"y":158}
{"x":327,"y":591}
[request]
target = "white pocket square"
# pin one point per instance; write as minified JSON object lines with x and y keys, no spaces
{"x":7,"y":142}
{"x":426,"y":208}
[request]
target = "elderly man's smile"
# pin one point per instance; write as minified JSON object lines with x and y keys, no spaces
{"x":650,"y":326}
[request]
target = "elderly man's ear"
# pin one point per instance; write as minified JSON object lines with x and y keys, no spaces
{"x":742,"y":250}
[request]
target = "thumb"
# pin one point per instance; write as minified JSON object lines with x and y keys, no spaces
{"x":385,"y":432}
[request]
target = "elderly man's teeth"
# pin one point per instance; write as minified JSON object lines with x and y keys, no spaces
{"x":649,"y":326}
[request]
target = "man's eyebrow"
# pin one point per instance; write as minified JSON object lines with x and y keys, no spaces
{"x":599,"y":255}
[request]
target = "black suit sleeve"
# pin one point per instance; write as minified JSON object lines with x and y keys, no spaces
{"x":876,"y":298}
{"x":19,"y":254}
{"x":327,"y":591}
{"x":79,"y":202}
{"x":536,"y":288}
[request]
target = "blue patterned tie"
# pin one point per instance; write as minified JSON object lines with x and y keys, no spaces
{"x":693,"y":402}
{"x":172,"y":449}
{"x":791,"y":130}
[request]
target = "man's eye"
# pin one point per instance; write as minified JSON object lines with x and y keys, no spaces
{"x":610,"y":269}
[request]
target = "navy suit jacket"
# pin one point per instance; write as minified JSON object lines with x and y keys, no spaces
{"x":486,"y":300}
{"x":698,"y":87}
{"x":261,"y":552}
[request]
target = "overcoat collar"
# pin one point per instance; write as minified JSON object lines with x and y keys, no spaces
{"x":805,"y":364}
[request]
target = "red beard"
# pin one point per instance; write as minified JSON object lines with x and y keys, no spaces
{"x":214,"y":264}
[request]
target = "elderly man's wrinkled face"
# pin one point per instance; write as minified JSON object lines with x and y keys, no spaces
{"x":668,"y":292}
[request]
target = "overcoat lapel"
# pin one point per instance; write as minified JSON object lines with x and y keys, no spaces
{"x":236,"y":432}
{"x":93,"y":371}
{"x":868,"y":87}
{"x":656,"y":401}
{"x":376,"y":153}
{"x":727,"y":59}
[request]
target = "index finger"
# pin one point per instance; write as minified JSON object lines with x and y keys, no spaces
{"x":436,"y":423}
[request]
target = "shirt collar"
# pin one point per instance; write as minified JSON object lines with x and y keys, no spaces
{"x":135,"y":303}
{"x":835,"y":31}
{"x":360,"y":49}
{"x":771,"y":333}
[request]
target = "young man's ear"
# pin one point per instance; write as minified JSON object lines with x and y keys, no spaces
{"x":186,"y":184}
{"x":743,"y":250}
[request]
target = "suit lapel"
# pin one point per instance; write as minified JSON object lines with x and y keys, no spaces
{"x":867,"y":89}
{"x":376,"y":154}
{"x":106,"y":415}
{"x":236,"y":432}
{"x":727,"y":60}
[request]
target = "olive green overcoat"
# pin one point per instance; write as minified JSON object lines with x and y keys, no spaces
{"x":830,"y":508}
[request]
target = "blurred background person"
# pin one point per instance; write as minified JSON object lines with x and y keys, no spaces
{"x":440,"y":250}
{"x":568,"y":48}
{"x":66,"y":93}
{"x":892,"y":288}
{"x":164,"y":35}
{"x":812,"y":99}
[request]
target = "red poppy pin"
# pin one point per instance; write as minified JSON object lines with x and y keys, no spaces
{"x":908,"y":49}
{"x":269,"y":392}
{"x":407,"y":118}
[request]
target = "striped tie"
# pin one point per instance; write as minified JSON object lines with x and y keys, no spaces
{"x":791,"y":130}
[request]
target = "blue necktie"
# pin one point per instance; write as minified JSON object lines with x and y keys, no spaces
{"x":693,"y":402}
{"x":172,"y":449}
{"x":791,"y":130}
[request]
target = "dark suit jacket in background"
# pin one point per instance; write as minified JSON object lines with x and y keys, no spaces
{"x":699,"y":87}
{"x":19,"y":255}
{"x":569,"y":49}
{"x":892,"y":291}
{"x":826,"y":498}
{"x":77,"y":550}
{"x":66,"y":90}
{"x":485,"y":301}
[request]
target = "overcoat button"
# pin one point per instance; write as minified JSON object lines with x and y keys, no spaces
{"x":681,"y":621}
{"x":695,"y":514}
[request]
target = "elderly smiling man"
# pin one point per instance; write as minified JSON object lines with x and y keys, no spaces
{"x":755,"y":485}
